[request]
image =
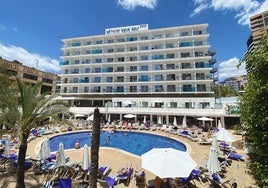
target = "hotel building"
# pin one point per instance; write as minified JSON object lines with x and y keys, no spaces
{"x":166,"y":73}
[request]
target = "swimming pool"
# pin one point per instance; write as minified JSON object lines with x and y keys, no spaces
{"x":133,"y":142}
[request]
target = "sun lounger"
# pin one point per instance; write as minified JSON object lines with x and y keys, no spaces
{"x":125,"y":176}
{"x":217,"y":182}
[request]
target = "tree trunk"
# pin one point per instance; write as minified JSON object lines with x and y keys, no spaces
{"x":95,"y":145}
{"x":21,"y":160}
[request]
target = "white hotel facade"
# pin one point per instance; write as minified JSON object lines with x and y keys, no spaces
{"x":159,"y":73}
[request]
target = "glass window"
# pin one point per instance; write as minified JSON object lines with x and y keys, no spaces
{"x":158,"y":77}
{"x":87,"y":70}
{"x":186,"y":65}
{"x":109,"y":79}
{"x":186,"y":76}
{"x":158,"y":67}
{"x":98,"y":60}
{"x":144,"y":57}
{"x":97,"y":79}
{"x":110,"y":69}
{"x":86,"y":89}
{"x":97,"y":69}
{"x":171,"y":77}
{"x":187,"y":88}
{"x":185,"y":54}
{"x":158,"y":88}
{"x":120,"y":69}
{"x":120,"y":88}
{"x":133,"y":79}
{"x":144,"y":78}
{"x":144,"y":89}
{"x":121,"y":40}
{"x":133,"y":68}
{"x":158,"y":56}
{"x":200,"y":76}
{"x":110,"y":50}
{"x":201,"y":87}
{"x":99,"y":42}
{"x":144,"y":48}
{"x":170,"y":56}
{"x":199,"y":64}
{"x":96,"y":89}
{"x":110,"y":59}
{"x":144,"y":68}
{"x":170,"y":66}
{"x":198,"y":54}
{"x":171,"y":88}
{"x":76,"y":71}
{"x":121,"y":59}
{"x":110,"y":41}
{"x":133,"y":88}
{"x":144,"y":37}
{"x":186,"y":44}
{"x":109,"y":89}
{"x":120,"y":79}
{"x":133,"y":58}
{"x":76,"y":61}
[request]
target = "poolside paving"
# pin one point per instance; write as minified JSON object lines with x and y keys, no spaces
{"x":116,"y":159}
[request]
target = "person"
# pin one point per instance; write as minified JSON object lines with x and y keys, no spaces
{"x":158,"y":182}
{"x":77,"y":144}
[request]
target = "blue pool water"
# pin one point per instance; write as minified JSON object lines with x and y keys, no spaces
{"x":133,"y":142}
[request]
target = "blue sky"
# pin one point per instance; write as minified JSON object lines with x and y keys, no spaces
{"x":31,"y":30}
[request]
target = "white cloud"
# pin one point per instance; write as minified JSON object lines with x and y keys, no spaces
{"x":29,"y":59}
{"x":244,"y":9}
{"x":229,"y":69}
{"x":132,"y":4}
{"x":15,"y":29}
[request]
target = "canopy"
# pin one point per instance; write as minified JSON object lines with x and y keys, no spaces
{"x":60,"y":159}
{"x":168,"y":162}
{"x":129,"y":116}
{"x":90,"y":118}
{"x":225,"y":135}
{"x":44,"y":151}
{"x":7,"y":149}
{"x":175,"y":121}
{"x":219,"y":125}
{"x":213,"y":164}
{"x":85,"y":160}
{"x":205,"y":119}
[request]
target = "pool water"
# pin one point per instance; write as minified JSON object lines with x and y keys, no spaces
{"x":134,"y":142}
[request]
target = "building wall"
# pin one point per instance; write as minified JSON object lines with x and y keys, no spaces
{"x":31,"y":75}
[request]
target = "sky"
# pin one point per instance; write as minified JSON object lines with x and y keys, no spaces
{"x":31,"y":30}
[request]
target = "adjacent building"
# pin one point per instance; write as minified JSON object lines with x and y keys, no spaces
{"x":30,"y":75}
{"x":259,"y":26}
{"x":164,"y":72}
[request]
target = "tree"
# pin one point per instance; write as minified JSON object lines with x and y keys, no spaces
{"x":28,"y":110}
{"x":95,"y":145}
{"x":254,"y":110}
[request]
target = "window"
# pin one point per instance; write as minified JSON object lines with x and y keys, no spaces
{"x":173,"y":105}
{"x":144,"y":68}
{"x":86,"y":89}
{"x":199,"y":64}
{"x":144,"y":57}
{"x":200,"y":76}
{"x":97,"y":69}
{"x":110,"y":50}
{"x":198,"y":54}
{"x":97,"y":79}
{"x":201,"y":87}
{"x":170,"y":45}
{"x":144,"y":48}
{"x":99,"y":42}
{"x":110,"y":41}
{"x":186,"y":44}
{"x":98,"y":60}
{"x":158,"y":56}
{"x":75,"y":89}
{"x":170,"y":56}
{"x":186,"y":88}
{"x":186,"y":76}
{"x":158,"y":88}
{"x":133,"y":58}
{"x":158,"y":77}
{"x":121,"y":59}
{"x":158,"y":67}
{"x":76,"y":71}
{"x":170,"y":66}
{"x":185,"y":33}
{"x":76,"y":61}
{"x":109,"y":89}
{"x":185,"y":54}
{"x":87,"y":70}
{"x":157,"y":46}
{"x":144,"y":78}
{"x":75,"y":80}
{"x":144,"y":37}
{"x":171,"y":88}
{"x":198,"y":43}
{"x":110,"y":59}
{"x":110,"y":69}
{"x":120,"y":88}
{"x":144,"y":89}
{"x":199,"y":32}
{"x":133,"y":79}
{"x":120,"y":69}
{"x":186,"y":65}
{"x":133,"y":88}
{"x":121,"y":40}
{"x":133,"y":68}
{"x":109,"y":79}
{"x":120,"y":79}
{"x":120,"y":50}
{"x":96,"y":89}
{"x":133,"y":48}
{"x":171,"y":77}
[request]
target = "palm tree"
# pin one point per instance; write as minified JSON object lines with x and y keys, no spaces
{"x":95,"y":145}
{"x":28,"y":110}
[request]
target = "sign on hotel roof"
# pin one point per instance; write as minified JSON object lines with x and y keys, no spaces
{"x":126,"y":29}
